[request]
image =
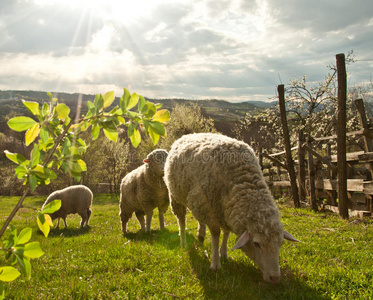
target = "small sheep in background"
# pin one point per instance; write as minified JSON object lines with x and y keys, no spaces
{"x":142,"y":190}
{"x":219,"y":179}
{"x":76,"y":199}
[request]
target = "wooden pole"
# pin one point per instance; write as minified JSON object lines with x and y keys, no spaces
{"x":301,"y":168}
{"x":368,"y":145}
{"x":311,"y":178}
{"x":289,"y":159}
{"x":341,"y":136}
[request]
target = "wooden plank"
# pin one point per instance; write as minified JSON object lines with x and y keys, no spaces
{"x":366,"y":157}
{"x":350,"y":157}
{"x":368,"y":187}
{"x":353,"y":185}
{"x":283,"y":183}
{"x":352,"y":213}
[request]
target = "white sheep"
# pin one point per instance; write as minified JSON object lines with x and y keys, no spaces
{"x":219,"y":179}
{"x":74,"y":199}
{"x":142,"y":190}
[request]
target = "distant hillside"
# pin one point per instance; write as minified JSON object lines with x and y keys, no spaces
{"x":224,"y":113}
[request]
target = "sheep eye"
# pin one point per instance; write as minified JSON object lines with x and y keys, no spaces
{"x":256,"y":244}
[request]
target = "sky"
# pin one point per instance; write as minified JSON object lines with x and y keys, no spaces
{"x":237,"y":50}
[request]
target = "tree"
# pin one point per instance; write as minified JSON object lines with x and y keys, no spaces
{"x":57,"y":144}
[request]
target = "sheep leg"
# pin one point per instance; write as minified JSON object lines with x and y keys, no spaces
{"x":124,"y":220}
{"x":161,"y":218}
{"x":58,"y":223}
{"x":140,"y":217}
{"x":64,"y":221}
{"x":224,"y":245}
{"x":89,"y":213}
{"x":215,"y":256}
{"x":180,"y":211}
{"x":201,"y":232}
{"x":149,"y":216}
{"x":84,"y":217}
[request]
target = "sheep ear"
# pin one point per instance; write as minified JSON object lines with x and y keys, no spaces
{"x":289,"y":237}
{"x":242,"y":240}
{"x":146,"y":160}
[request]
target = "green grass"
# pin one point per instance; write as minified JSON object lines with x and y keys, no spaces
{"x":334,"y":260}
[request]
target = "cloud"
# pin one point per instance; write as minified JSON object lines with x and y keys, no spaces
{"x":234,"y":50}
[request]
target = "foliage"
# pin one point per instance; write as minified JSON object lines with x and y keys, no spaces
{"x":334,"y":260}
{"x":186,"y":119}
{"x":57,"y":145}
{"x":312,"y":109}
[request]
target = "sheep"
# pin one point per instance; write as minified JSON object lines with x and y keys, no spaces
{"x":142,"y":190}
{"x":74,"y":199}
{"x":219,"y":179}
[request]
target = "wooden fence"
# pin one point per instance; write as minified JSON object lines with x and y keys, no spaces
{"x":342,"y":181}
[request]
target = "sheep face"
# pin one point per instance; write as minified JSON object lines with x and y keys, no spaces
{"x":156,"y":161}
{"x":265,"y":256}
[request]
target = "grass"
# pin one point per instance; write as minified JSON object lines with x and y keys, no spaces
{"x":334,"y":260}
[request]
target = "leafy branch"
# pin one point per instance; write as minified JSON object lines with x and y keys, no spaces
{"x":57,"y":145}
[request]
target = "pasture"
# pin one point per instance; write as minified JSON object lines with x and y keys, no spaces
{"x":334,"y":260}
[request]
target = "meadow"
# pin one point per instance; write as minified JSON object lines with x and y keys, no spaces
{"x":333,"y":261}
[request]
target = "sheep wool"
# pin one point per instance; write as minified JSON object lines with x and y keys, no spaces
{"x":142,"y":190}
{"x":219,"y":179}
{"x":76,"y":199}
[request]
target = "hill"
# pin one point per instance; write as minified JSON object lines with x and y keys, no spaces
{"x":224,"y":113}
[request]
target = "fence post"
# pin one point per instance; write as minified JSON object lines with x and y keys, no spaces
{"x":301,"y":167}
{"x":341,"y":136}
{"x":368,"y":144}
{"x":289,"y":159}
{"x":311,"y":178}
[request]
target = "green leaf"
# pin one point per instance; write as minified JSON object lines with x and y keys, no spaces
{"x":33,"y":181}
{"x":32,"y":106}
{"x":51,"y":207}
{"x":99,"y":102}
{"x":142,"y":103}
{"x":21,"y":171}
{"x":15,"y":157}
{"x":111,"y":134}
{"x":32,"y":133}
{"x":132,"y":101}
{"x":157,"y":128}
{"x":33,"y":250}
{"x":45,"y":109}
{"x":8,"y":274}
{"x":35,"y":156}
{"x":109,"y":97}
{"x":62,"y":111}
{"x":124,"y":100}
{"x":161,"y":116}
{"x":154,"y":136}
{"x":82,"y":165}
{"x":95,"y":131}
{"x":21,"y":123}
{"x":43,"y":224}
{"x":135,"y":137}
{"x":25,"y":235}
{"x":23,"y":262}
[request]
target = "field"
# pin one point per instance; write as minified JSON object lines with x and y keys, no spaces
{"x":334,"y":260}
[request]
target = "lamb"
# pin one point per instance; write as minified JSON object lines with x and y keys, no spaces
{"x":142,"y":190}
{"x":74,"y":199}
{"x":219,"y":179}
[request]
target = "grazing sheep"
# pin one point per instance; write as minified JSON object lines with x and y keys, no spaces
{"x":76,"y":199}
{"x":142,"y":190}
{"x":219,"y":179}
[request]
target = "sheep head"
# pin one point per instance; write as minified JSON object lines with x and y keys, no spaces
{"x":264,"y":254}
